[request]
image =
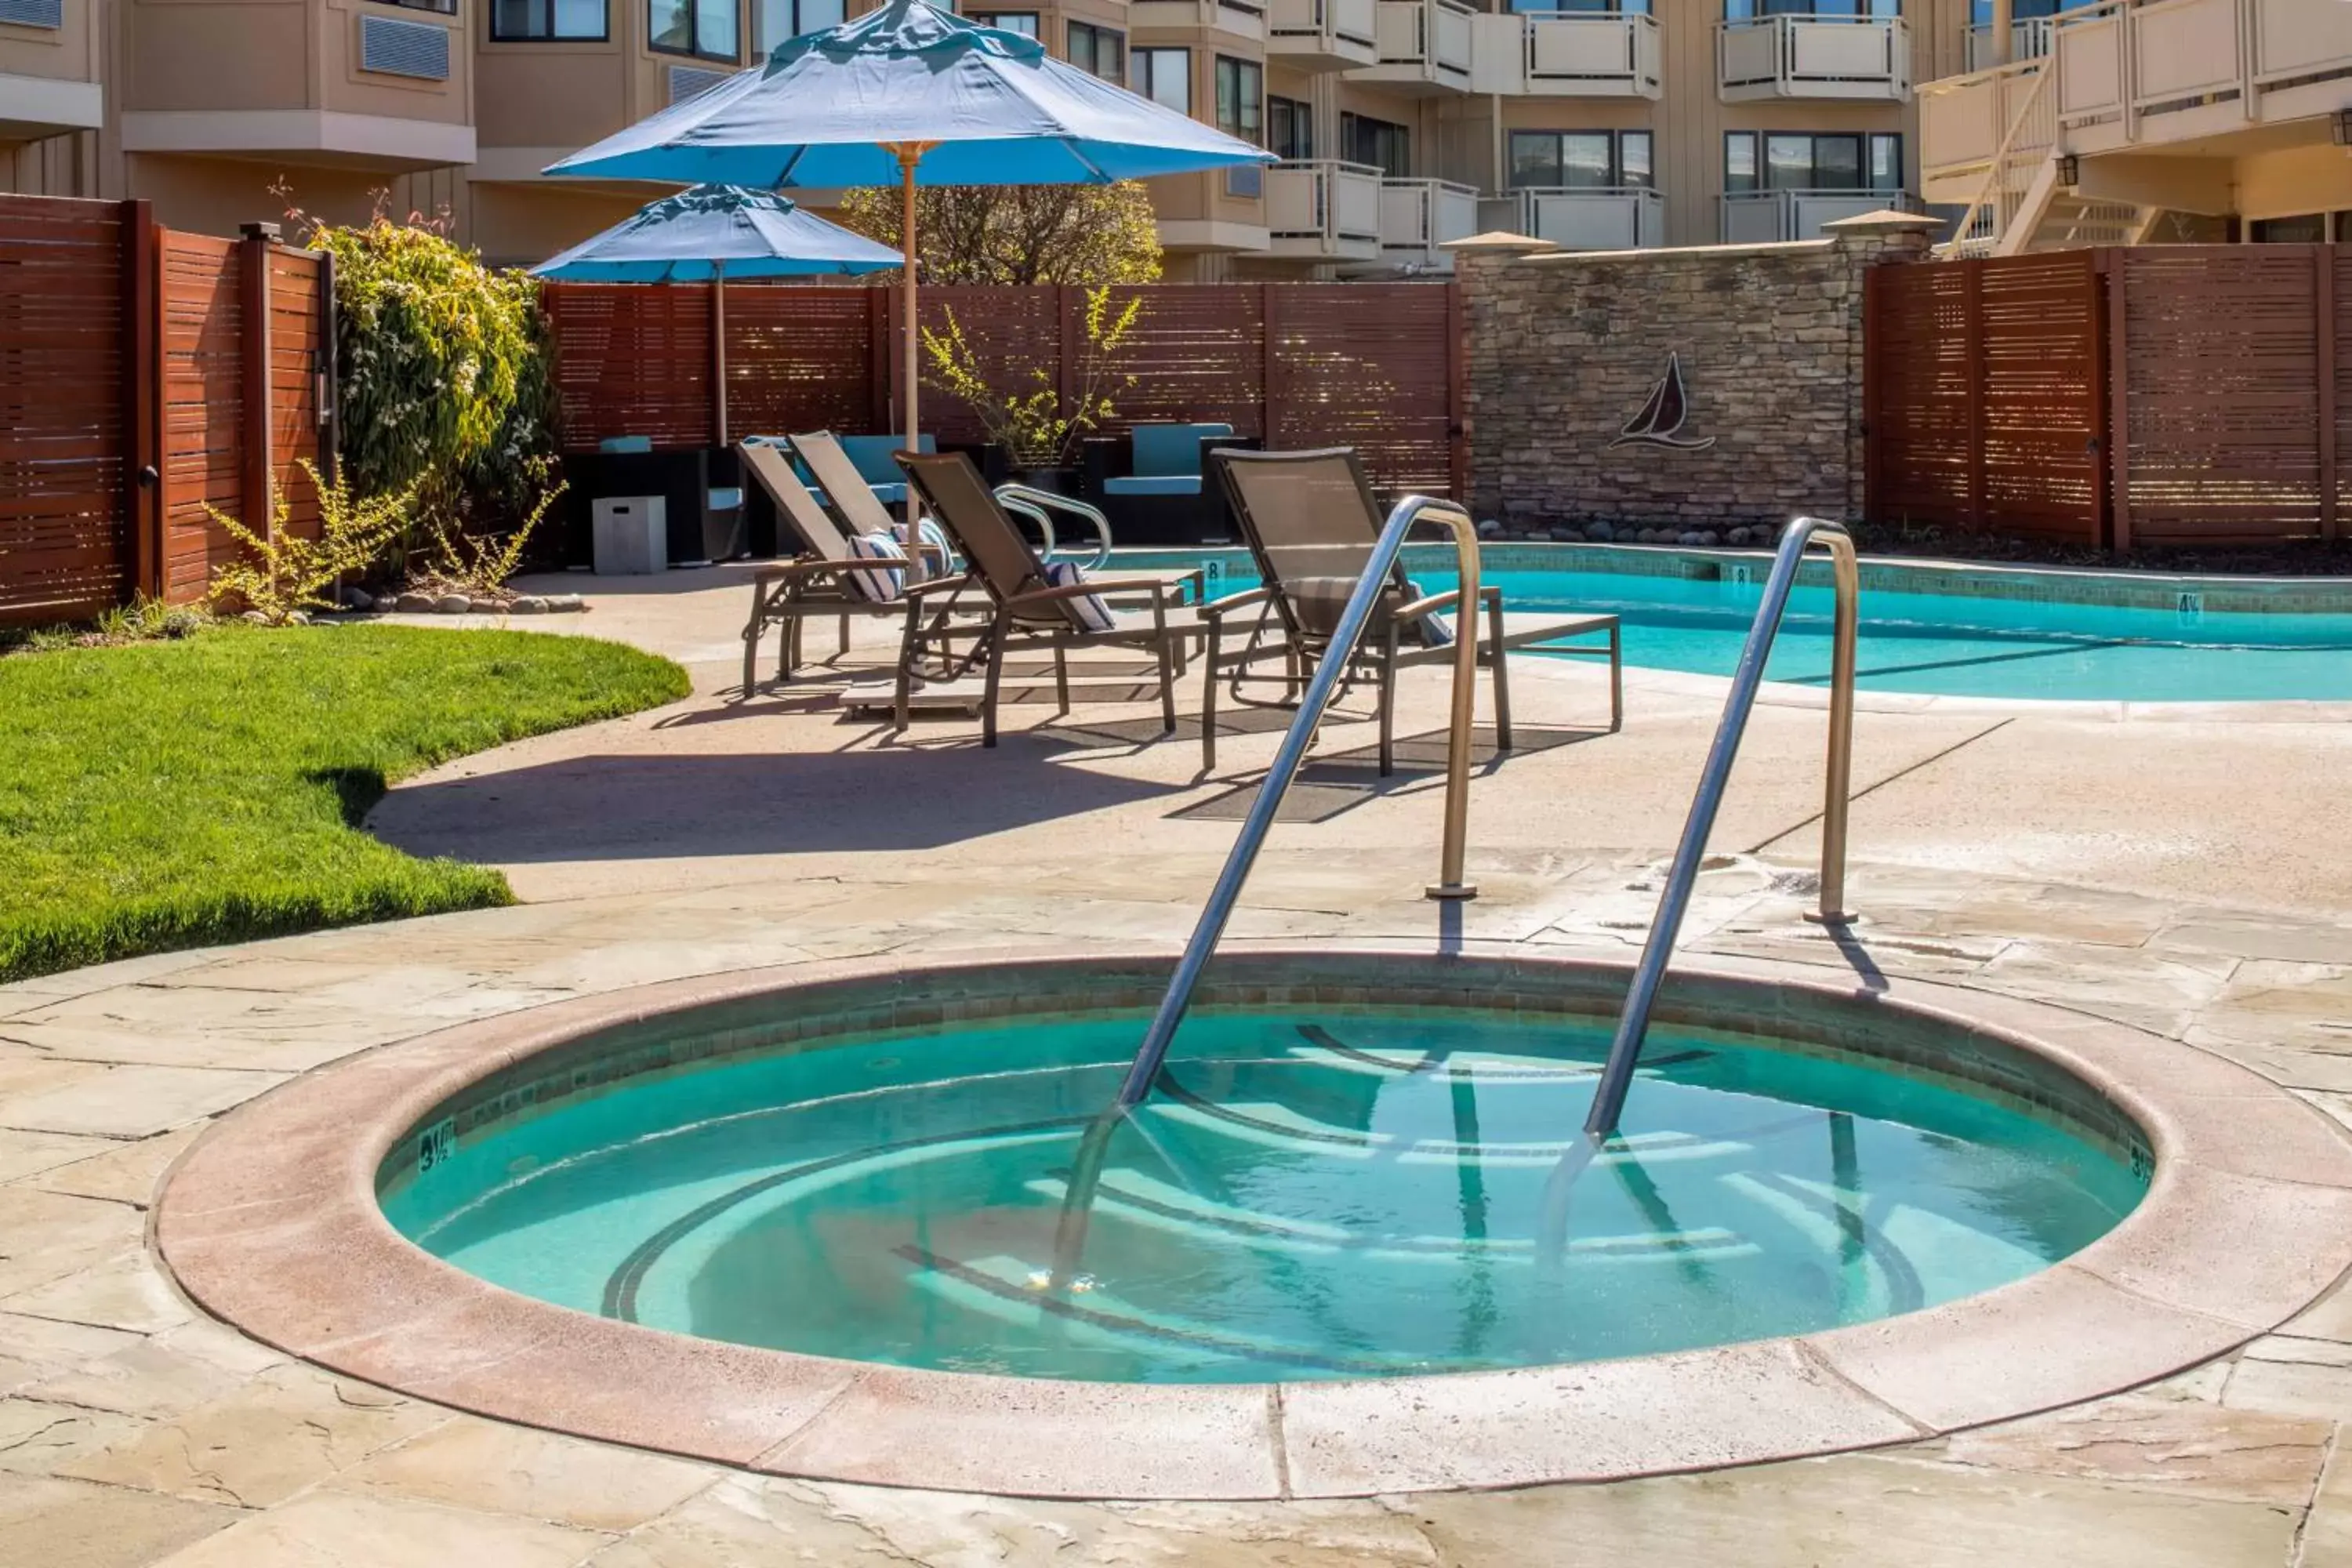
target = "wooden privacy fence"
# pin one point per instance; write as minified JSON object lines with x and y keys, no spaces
{"x":1377,"y":366}
{"x":2150,"y":395}
{"x":136,"y":364}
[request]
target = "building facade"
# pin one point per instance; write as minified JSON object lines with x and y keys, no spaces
{"x":1402,"y":124}
{"x":2125,"y":122}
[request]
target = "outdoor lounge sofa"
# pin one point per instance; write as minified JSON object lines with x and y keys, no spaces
{"x":1023,"y":604}
{"x":1311,"y":521}
{"x":1154,"y":482}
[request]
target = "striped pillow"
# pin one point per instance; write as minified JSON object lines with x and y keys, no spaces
{"x":933,"y":534}
{"x":1087,"y":609}
{"x":880,"y":586}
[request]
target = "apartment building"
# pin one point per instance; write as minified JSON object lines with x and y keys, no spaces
{"x":1401,"y":124}
{"x":2119,"y":121}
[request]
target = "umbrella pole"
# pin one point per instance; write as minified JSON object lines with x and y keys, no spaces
{"x":719,"y":340}
{"x":909,"y":155}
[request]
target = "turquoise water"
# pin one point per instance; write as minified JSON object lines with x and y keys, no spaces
{"x":1350,"y":1194}
{"x":1950,"y":645}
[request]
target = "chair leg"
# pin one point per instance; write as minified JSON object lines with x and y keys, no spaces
{"x":1167,"y":686}
{"x":1209,"y":704}
{"x":1616,"y":684}
{"x":840,"y":638}
{"x":1387,"y":704}
{"x":788,"y":647}
{"x":1502,"y":672}
{"x":996,"y":630}
{"x":1062,"y":676}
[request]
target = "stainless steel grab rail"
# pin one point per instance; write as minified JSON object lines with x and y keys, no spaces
{"x":1145,"y":1070}
{"x":1625,"y":1050}
{"x":1029,"y":501}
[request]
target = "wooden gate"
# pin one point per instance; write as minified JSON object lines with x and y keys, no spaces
{"x":145,"y":374}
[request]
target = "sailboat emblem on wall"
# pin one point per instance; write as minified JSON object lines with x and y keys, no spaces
{"x":1660,"y":419}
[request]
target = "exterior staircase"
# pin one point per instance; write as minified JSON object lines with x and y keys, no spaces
{"x":2021,"y":208}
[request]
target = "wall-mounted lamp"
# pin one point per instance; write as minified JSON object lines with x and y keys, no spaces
{"x":2070,"y":171}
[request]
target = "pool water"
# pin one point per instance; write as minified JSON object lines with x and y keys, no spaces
{"x":1945,"y":644}
{"x":1346,"y":1193}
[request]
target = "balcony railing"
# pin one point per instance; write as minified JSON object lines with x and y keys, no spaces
{"x":1419,"y":216}
{"x":1322,"y":35}
{"x":1583,"y":217}
{"x":1424,"y":45}
{"x":2144,"y":72}
{"x":1593,"y":56}
{"x":2028,"y":40}
{"x":1324,"y":209}
{"x":1813,"y":56}
{"x":1767,"y":217}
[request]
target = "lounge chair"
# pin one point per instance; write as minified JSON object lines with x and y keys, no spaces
{"x":1029,"y":607}
{"x":1312,"y":521}
{"x":839,"y":574}
{"x":840,"y":479}
{"x":1153,"y":482}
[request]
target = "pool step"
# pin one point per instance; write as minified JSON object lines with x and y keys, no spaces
{"x":1326,"y":1048}
{"x":1136,"y":1199}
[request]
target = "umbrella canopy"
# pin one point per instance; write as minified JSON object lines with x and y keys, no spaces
{"x":713,"y":231}
{"x":991,"y":107}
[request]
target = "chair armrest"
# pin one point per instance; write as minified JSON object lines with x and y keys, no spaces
{"x":1232,"y":604}
{"x":1423,"y":606}
{"x":932,"y":584}
{"x":788,"y":571}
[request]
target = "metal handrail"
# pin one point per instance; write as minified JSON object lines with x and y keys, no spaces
{"x":1625,"y":1050}
{"x":1031,"y":502}
{"x":1328,"y":668}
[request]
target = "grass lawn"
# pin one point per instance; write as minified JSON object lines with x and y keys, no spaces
{"x":171,"y":795}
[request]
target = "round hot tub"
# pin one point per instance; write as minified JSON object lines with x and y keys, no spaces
{"x":869,"y":1222}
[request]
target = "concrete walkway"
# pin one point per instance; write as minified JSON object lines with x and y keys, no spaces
{"x":2180,"y":876}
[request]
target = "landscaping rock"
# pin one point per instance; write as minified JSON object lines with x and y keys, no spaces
{"x":413,"y":603}
{"x":298,"y":617}
{"x":1601,"y":532}
{"x":255,"y":616}
{"x":1690,"y":536}
{"x":1490,"y":529}
{"x":453,"y":604}
{"x":488,"y":607}
{"x":1737,"y":536}
{"x":358,"y":599}
{"x":565,"y":603}
{"x":1709,"y":536}
{"x":529,"y":604}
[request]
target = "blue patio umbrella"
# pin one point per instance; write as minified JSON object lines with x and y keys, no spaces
{"x":713,"y":233}
{"x":911,"y":94}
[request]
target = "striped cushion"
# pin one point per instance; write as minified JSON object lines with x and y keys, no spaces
{"x":879,"y":585}
{"x":933,"y":534}
{"x":1087,"y":609}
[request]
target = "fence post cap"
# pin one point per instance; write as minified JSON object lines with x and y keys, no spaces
{"x":1885,"y":221}
{"x":268,"y":231}
{"x":1500,"y":242}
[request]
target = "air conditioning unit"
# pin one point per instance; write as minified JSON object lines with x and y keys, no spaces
{"x":689,"y":81}
{"x":49,"y":13}
{"x":401,"y":48}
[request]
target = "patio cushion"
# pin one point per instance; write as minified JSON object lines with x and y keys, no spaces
{"x":1154,"y":485}
{"x":625,"y":444}
{"x":870,"y":455}
{"x":878,"y":584}
{"x":1162,"y":449}
{"x":1091,"y":611}
{"x":726,"y":499}
{"x":890,"y":494}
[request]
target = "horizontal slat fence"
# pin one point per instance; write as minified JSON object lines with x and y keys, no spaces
{"x":2160,"y":394}
{"x":144,"y":373}
{"x":65,"y":325}
{"x":1374,"y":366}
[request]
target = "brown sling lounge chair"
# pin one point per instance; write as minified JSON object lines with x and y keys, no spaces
{"x":1312,"y":521}
{"x":1025,"y":610}
{"x":829,"y":579}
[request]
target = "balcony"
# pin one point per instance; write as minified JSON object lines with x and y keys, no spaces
{"x":1320,"y":209}
{"x":1770,"y":218}
{"x":375,"y":90}
{"x":1419,"y":216}
{"x":1321,"y":34}
{"x":1583,"y":217}
{"x":1591,"y":56}
{"x":50,"y":59}
{"x":2028,"y":40}
{"x":1241,"y":18}
{"x":1424,"y":47}
{"x":1868,"y":59}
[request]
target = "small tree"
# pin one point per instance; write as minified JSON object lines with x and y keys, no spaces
{"x":1084,"y":235}
{"x":287,"y":573}
{"x":1035,"y":427}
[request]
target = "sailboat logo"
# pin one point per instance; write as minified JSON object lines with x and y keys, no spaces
{"x":1660,"y":419}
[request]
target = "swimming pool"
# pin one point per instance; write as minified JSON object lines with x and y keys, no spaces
{"x":1957,"y":631}
{"x":1339,"y":1191}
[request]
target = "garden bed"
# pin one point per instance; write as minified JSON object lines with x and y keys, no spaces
{"x":179,"y":794}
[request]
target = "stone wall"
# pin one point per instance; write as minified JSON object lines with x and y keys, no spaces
{"x":1567,"y":351}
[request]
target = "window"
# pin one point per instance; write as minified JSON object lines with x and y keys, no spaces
{"x":1819,"y":10}
{"x":1099,"y":51}
{"x":1583,"y":7}
{"x":1241,"y":99}
{"x":1021,"y":22}
{"x":1800,"y":161}
{"x":439,"y":8}
{"x":1386,"y":146}
{"x":1163,"y":76}
{"x":2308,"y":229}
{"x":2024,"y":10}
{"x":1290,"y":128}
{"x":774,"y":21}
{"x":704,"y":29}
{"x":1579,"y":159}
{"x":513,"y":21}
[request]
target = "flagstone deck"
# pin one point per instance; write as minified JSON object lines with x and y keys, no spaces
{"x":2184,"y":875}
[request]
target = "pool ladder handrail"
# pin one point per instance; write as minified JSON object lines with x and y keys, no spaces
{"x":1338,"y":651}
{"x":1674,"y":901}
